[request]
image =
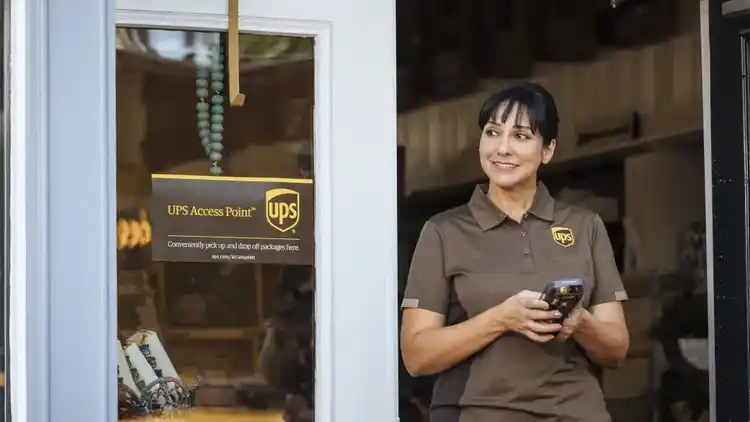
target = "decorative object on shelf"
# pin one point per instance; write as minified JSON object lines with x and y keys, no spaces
{"x":150,"y":385}
{"x":210,"y":108}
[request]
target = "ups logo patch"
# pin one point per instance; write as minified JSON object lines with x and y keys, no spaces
{"x":563,"y":236}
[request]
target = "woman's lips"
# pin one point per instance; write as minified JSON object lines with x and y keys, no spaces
{"x":504,"y":166}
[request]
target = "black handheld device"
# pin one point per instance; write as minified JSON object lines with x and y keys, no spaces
{"x":563,"y":295}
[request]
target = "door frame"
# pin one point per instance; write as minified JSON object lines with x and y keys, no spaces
{"x":726,"y":165}
{"x":57,"y":284}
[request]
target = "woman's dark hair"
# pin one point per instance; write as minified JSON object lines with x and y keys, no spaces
{"x":532,"y":98}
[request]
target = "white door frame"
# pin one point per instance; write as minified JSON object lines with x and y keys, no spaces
{"x":63,"y":130}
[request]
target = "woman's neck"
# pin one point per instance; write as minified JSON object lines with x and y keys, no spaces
{"x":513,"y":202}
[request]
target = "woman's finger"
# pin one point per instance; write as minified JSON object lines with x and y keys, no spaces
{"x":565,"y":333}
{"x":532,"y":303}
{"x":541,"y":327}
{"x":539,"y":338}
{"x":540,"y":315}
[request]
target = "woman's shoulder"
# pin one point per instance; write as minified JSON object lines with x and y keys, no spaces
{"x":452,"y":217}
{"x":565,"y":208}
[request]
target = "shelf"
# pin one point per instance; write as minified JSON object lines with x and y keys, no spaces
{"x":601,"y":153}
{"x":226,"y":334}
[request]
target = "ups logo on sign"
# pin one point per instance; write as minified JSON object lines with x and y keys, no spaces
{"x":282,"y":209}
{"x":563,"y":236}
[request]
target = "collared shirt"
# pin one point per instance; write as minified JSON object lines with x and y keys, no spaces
{"x":473,"y":257}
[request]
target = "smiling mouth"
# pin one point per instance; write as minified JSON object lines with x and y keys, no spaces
{"x":504,"y":166}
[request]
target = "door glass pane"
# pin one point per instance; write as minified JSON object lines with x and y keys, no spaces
{"x":215,"y":271}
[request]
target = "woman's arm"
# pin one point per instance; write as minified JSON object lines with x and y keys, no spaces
{"x":603,"y":334}
{"x":601,"y":330}
{"x":429,"y":347}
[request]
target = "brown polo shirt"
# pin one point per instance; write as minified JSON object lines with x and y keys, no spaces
{"x":473,"y":257}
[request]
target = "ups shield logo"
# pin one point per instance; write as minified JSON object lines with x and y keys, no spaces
{"x":282,"y":209}
{"x":563,"y":236}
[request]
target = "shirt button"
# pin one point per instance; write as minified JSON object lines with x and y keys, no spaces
{"x":526,"y":251}
{"x":523,"y":233}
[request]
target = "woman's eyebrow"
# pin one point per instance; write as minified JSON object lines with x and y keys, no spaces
{"x":495,"y":123}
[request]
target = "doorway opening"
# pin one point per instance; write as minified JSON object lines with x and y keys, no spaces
{"x":627,"y":82}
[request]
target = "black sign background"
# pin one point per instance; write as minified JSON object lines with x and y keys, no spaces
{"x":232,"y":219}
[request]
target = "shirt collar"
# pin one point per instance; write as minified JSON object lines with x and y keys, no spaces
{"x":488,"y":215}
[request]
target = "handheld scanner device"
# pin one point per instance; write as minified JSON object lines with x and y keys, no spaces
{"x":563,"y":295}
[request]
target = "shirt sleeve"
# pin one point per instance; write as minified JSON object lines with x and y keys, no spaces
{"x":608,"y":285}
{"x":427,"y":286}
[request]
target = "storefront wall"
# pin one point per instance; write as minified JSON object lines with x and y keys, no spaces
{"x":62,"y":254}
{"x":63,"y":260}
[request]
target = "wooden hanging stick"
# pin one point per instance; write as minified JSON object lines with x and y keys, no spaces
{"x":236,"y":98}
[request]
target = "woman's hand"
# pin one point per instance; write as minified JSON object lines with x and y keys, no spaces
{"x":526,"y":314}
{"x":571,"y":323}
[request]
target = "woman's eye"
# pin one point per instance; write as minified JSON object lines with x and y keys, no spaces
{"x":522,"y":136}
{"x":491,"y":132}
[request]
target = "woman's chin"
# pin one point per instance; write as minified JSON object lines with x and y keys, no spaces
{"x":507,"y":183}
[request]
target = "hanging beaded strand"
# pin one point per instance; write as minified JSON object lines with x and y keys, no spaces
{"x":211,"y":115}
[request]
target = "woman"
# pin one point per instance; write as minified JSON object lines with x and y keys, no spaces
{"x":472,"y":312}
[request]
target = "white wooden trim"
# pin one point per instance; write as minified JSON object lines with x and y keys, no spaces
{"x":17,"y":301}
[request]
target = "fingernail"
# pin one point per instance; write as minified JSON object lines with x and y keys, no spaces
{"x":558,"y":314}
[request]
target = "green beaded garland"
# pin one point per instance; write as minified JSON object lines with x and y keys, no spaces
{"x":209,"y":86}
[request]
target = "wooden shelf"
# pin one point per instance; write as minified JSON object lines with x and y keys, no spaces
{"x":596,"y":154}
{"x":226,"y":334}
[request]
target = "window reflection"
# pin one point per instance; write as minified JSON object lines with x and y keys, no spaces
{"x":241,"y":333}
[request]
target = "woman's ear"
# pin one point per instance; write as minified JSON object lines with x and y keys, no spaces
{"x":548,"y":151}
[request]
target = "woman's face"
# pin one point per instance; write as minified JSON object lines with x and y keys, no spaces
{"x":510,"y":153}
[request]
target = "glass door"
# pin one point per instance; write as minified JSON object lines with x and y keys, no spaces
{"x":230,"y":260}
{"x":725,"y":30}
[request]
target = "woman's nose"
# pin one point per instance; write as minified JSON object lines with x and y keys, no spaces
{"x":503,"y":145}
